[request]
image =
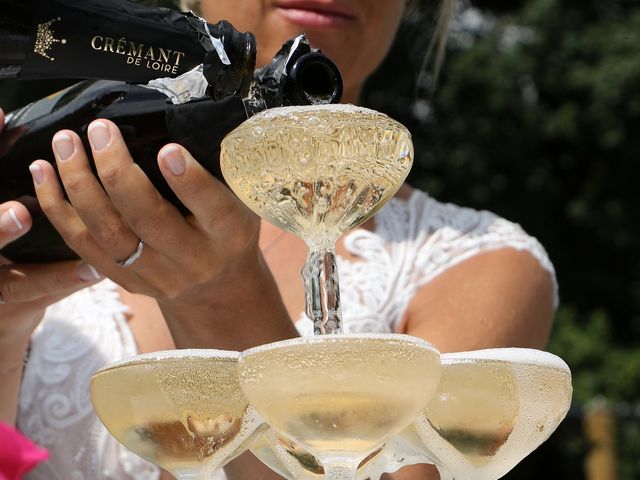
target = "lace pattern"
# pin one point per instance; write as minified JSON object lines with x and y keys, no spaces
{"x":414,"y":241}
{"x":78,"y":336}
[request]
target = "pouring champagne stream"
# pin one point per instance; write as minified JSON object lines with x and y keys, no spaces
{"x":317,"y":171}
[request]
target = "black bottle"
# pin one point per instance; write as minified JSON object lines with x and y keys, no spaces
{"x":147,"y":117}
{"x":119,"y":40}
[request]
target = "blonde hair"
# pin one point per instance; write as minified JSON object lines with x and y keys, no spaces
{"x":186,"y":5}
{"x":438,"y":44}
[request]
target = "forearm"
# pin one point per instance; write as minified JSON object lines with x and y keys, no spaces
{"x":11,"y":366}
{"x":241,"y":310}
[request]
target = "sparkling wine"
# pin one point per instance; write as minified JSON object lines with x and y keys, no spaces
{"x":376,"y":386}
{"x":317,"y":171}
{"x":182,"y":410}
{"x":492,"y":408}
{"x":479,"y":428}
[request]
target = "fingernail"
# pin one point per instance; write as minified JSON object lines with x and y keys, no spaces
{"x":63,"y":145}
{"x":37,"y":173}
{"x":99,"y":135}
{"x":9,"y":222}
{"x":87,"y":273}
{"x":174,"y":160}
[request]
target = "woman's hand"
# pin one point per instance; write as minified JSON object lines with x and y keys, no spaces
{"x":205,"y":269}
{"x":26,"y":290}
{"x":104,"y":218}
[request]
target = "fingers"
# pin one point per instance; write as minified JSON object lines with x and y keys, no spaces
{"x":62,"y":215}
{"x":133,"y":195}
{"x":104,"y":222}
{"x":86,"y":195}
{"x":28,"y":288}
{"x":32,"y":282}
{"x":103,"y":219}
{"x":1,"y":119}
{"x":213,"y":205}
{"x":14,"y":222}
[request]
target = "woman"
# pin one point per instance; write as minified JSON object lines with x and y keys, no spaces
{"x":220,"y":278}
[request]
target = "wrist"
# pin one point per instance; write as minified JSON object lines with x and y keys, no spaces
{"x":238,"y":311}
{"x":12,"y":361}
{"x":12,"y":368}
{"x":13,"y":354}
{"x":16,"y":331}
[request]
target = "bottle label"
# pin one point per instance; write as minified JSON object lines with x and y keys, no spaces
{"x":115,"y":39}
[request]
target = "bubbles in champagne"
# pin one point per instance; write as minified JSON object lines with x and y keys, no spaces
{"x":493,"y":407}
{"x":475,"y":408}
{"x":317,"y":170}
{"x":376,"y":385}
{"x":515,"y":356}
{"x":182,"y":410}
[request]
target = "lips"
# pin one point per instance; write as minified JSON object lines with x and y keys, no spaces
{"x":316,"y":14}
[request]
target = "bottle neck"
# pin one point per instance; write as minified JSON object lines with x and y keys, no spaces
{"x":234,"y":77}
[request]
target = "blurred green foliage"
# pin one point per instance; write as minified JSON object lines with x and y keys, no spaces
{"x":537,"y":117}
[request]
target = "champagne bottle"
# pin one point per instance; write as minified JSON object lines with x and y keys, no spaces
{"x":119,"y":40}
{"x":150,"y":115}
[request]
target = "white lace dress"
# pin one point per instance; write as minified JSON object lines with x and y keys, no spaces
{"x":414,"y":241}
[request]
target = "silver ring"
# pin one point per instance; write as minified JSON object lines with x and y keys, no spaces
{"x":131,"y":259}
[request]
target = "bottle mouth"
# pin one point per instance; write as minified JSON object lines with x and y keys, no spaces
{"x":314,"y":80}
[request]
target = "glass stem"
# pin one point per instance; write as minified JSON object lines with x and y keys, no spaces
{"x":320,"y":275}
{"x":189,"y":475}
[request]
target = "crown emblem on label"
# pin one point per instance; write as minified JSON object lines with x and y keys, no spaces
{"x":45,"y":39}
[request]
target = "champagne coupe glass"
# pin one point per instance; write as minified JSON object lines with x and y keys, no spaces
{"x":317,"y":171}
{"x":340,"y":397}
{"x":492,"y":408}
{"x":182,"y":410}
